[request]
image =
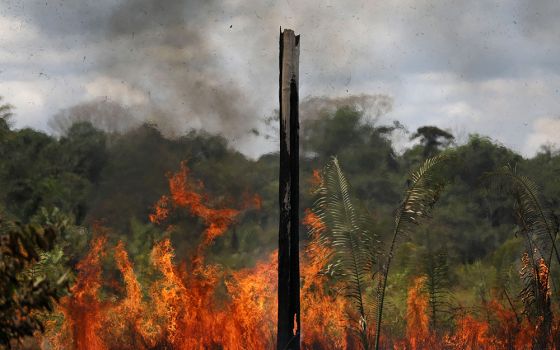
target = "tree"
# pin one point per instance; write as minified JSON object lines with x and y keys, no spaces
{"x":85,"y":150}
{"x":433,"y":139}
{"x":6,"y":113}
{"x":26,"y":290}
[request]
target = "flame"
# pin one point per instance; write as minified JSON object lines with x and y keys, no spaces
{"x":253,"y":309}
{"x":323,"y":312}
{"x":417,"y":322}
{"x":542,"y":273}
{"x":205,"y":306}
{"x":184,"y":195}
{"x":470,"y":333}
{"x":83,"y":310}
{"x":161,"y":210}
{"x":316,"y":179}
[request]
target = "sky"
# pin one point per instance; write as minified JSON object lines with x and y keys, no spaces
{"x":480,"y":66}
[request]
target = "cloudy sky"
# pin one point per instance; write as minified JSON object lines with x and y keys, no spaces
{"x":491,"y":67}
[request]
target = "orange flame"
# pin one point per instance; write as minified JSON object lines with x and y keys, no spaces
{"x":83,"y":310}
{"x":208,"y":307}
{"x":417,"y":322}
{"x":180,"y":309}
{"x":183,"y":195}
{"x":472,"y":334}
{"x":316,"y":179}
{"x":161,"y":210}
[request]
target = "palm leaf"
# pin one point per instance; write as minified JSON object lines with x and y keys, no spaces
{"x":536,"y":221}
{"x":354,"y":253}
{"x":419,"y":199}
{"x":437,"y":285}
{"x":539,"y":226}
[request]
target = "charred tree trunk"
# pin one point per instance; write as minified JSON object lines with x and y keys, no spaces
{"x":288,"y":235}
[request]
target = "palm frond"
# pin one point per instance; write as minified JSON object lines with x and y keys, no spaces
{"x":419,"y":198}
{"x":354,"y":248}
{"x":437,"y":285}
{"x":539,"y":226}
{"x":537,"y":223}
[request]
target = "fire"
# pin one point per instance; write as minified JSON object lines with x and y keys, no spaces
{"x":417,"y":322}
{"x":83,"y":310}
{"x":205,"y":306}
{"x":180,"y":310}
{"x":252,"y":201}
{"x":184,"y":195}
{"x":472,"y":334}
{"x":316,"y":179}
{"x":161,"y":210}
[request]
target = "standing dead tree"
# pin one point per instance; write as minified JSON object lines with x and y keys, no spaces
{"x":288,"y":336}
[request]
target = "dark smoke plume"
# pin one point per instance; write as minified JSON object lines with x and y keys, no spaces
{"x":162,"y":52}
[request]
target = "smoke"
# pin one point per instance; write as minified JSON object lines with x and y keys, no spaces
{"x":372,"y":106}
{"x":213,"y":64}
{"x":159,"y":62}
{"x":103,"y":114}
{"x":160,"y":49}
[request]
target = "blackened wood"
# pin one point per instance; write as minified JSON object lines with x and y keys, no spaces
{"x":288,"y":234}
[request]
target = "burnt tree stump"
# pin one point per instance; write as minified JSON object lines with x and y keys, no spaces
{"x":288,"y":336}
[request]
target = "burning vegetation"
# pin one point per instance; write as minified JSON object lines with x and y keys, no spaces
{"x":193,"y":304}
{"x":179,"y":309}
{"x":448,"y":263}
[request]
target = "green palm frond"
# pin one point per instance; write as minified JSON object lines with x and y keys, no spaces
{"x":419,"y":198}
{"x":539,"y":226}
{"x":538,"y":223}
{"x":354,"y":253}
{"x":437,"y":285}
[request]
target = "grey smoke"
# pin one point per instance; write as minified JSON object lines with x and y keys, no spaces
{"x":488,"y":66}
{"x":372,"y":106}
{"x":103,"y":114}
{"x":163,"y":52}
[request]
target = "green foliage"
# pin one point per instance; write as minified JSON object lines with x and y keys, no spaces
{"x":433,"y":139}
{"x":116,"y":177}
{"x":537,"y":222}
{"x":29,"y":281}
{"x":436,"y":268}
{"x":423,"y":191}
{"x":539,"y":225}
{"x":354,"y":246}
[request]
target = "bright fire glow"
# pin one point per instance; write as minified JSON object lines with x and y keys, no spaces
{"x":204,"y":306}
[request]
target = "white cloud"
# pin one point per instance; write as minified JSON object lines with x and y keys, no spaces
{"x":546,"y":130}
{"x":14,"y":30}
{"x":28,"y":98}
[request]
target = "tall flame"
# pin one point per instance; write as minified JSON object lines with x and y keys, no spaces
{"x":417,"y":322}
{"x":205,"y":306}
{"x":83,"y":310}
